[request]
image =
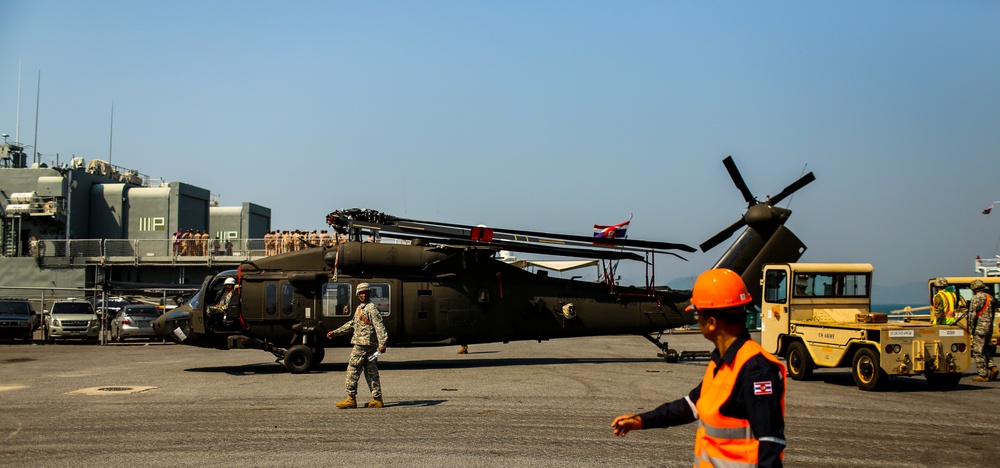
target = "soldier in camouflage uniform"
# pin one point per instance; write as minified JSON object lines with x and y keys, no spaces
{"x":982,"y":309}
{"x":369,"y":336}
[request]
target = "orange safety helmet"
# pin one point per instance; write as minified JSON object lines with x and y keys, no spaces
{"x":719,"y":289}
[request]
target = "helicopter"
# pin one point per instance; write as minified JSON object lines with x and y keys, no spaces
{"x":442,"y":284}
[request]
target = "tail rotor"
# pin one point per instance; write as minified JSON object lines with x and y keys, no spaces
{"x":763,"y":217}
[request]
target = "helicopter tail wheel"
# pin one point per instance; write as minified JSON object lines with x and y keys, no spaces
{"x":299,"y":359}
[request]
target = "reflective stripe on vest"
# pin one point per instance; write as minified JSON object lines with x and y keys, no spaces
{"x":723,"y":441}
{"x":727,"y":432}
{"x":948,"y":302}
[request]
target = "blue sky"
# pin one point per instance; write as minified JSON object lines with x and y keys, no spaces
{"x":543,"y":115}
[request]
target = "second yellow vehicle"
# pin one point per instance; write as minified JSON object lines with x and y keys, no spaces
{"x":819,"y":315}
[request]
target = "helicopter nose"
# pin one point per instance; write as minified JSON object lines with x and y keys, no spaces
{"x":167,"y":325}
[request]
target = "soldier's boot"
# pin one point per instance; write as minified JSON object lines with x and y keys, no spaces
{"x":464,"y":350}
{"x":349,"y":402}
{"x":994,"y":372}
{"x":375,"y":403}
{"x":980,"y":378}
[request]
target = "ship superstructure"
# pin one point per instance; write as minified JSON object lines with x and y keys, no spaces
{"x":90,"y":224}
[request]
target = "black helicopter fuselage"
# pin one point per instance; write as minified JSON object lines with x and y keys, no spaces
{"x":447,"y":287}
{"x":430,"y":296}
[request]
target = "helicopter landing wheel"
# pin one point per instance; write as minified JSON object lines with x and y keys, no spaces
{"x":299,"y":359}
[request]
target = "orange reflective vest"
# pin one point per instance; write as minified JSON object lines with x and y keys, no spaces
{"x":948,"y":304}
{"x":723,"y":441}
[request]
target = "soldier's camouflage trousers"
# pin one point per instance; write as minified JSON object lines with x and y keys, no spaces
{"x":358,"y":362}
{"x":981,"y":354}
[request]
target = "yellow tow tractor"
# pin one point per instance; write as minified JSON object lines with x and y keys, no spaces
{"x":819,"y":315}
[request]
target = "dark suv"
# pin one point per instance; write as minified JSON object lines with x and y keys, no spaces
{"x":17,"y":319}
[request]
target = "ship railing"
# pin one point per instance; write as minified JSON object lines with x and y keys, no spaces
{"x":146,"y":251}
{"x":988,"y":266}
{"x":79,"y":248}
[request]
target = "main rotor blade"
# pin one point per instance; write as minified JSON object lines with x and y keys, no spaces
{"x":734,"y":173}
{"x":722,"y":235}
{"x":555,"y":250}
{"x":802,"y":182}
{"x":515,"y":233}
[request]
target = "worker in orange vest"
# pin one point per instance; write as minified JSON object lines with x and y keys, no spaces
{"x":740,"y":403}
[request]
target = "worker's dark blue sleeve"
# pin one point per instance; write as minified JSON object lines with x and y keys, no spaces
{"x":675,"y":413}
{"x":761,"y":406}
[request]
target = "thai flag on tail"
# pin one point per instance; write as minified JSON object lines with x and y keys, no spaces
{"x":616,"y":231}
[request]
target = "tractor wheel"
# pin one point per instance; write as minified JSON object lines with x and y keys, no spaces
{"x":867,"y":372}
{"x":799,"y":361}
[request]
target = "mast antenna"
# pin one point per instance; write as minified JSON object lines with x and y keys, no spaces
{"x":111,"y":138}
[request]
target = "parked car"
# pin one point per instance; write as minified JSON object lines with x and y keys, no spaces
{"x":72,"y":318}
{"x":109,"y":308}
{"x":17,"y":319}
{"x":134,"y":321}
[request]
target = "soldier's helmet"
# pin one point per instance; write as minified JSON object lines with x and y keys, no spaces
{"x":229,"y":281}
{"x":364,"y":287}
{"x":977,"y":285}
{"x":940,"y":282}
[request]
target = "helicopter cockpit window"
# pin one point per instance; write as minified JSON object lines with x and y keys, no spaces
{"x":213,"y":293}
{"x":775,"y":289}
{"x":195,"y":300}
{"x":336,"y":299}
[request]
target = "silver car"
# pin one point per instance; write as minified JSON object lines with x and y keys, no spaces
{"x":134,"y":321}
{"x":72,"y":319}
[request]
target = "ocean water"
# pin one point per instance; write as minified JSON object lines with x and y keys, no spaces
{"x":887,"y":307}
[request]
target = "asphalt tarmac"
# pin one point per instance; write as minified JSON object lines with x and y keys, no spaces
{"x":519,"y":404}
